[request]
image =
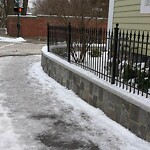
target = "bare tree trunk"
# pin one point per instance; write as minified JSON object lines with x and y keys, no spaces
{"x":5,"y":8}
{"x":25,"y":6}
{"x":10,"y":7}
{"x":85,"y":10}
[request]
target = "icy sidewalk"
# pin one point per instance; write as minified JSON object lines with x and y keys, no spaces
{"x":43,"y":115}
{"x":9,"y":140}
{"x":19,"y":47}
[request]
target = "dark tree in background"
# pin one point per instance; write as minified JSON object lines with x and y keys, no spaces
{"x":25,"y":5}
{"x":83,"y":10}
{"x":2,"y":14}
{"x":77,"y":8}
{"x":88,"y":8}
{"x":9,"y":7}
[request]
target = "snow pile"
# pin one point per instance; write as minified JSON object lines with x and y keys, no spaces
{"x":101,"y":127}
{"x":12,"y":40}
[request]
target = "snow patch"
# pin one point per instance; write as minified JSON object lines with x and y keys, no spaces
{"x":137,"y":100}
{"x":12,"y":40}
{"x":9,"y":139}
{"x":99,"y":122}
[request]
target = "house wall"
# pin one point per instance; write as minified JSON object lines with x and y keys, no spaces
{"x":127,"y":14}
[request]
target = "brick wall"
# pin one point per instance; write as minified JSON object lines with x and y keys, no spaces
{"x":36,"y":26}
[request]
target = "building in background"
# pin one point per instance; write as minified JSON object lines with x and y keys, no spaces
{"x":130,"y":14}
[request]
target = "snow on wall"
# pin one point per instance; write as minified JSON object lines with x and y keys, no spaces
{"x":131,"y":111}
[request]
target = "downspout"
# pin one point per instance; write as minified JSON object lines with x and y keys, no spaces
{"x":110,"y":15}
{"x":110,"y":21}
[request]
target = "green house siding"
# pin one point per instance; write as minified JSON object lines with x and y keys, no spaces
{"x":127,"y":14}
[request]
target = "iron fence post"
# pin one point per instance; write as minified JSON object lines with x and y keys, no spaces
{"x":115,"y":49}
{"x":18,"y":25}
{"x":69,"y":42}
{"x":48,"y":37}
{"x":100,"y":36}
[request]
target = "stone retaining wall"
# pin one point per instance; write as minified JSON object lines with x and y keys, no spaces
{"x":115,"y":106}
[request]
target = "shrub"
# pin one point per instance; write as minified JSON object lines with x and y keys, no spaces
{"x":138,"y":75}
{"x":143,"y":81}
{"x":95,"y":52}
{"x":128,"y":73}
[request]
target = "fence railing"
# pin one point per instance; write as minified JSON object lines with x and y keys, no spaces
{"x":119,"y":57}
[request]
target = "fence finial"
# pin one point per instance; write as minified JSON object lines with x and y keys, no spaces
{"x":117,"y":25}
{"x":69,"y":42}
{"x":48,"y":37}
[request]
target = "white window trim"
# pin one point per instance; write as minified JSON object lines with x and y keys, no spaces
{"x":145,"y":6}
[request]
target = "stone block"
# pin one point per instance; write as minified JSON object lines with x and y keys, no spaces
{"x":99,"y":104}
{"x":111,"y":113}
{"x":68,"y":85}
{"x":148,"y":118}
{"x":148,"y":128}
{"x":74,"y":77}
{"x":105,"y":96}
{"x":124,"y":120}
{"x":95,"y":90}
{"x":148,"y":137}
{"x":133,"y":127}
{"x":118,"y":113}
{"x":94,"y":101}
{"x":70,"y":75}
{"x":82,"y":86}
{"x":100,"y":94}
{"x":142,"y":131}
{"x":143,"y":116}
{"x":125,"y":105}
{"x":91,"y":88}
{"x":49,"y":73}
{"x":134,"y":113}
{"x":78,"y":90}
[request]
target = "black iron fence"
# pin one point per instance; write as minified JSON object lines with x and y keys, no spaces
{"x":119,"y":57}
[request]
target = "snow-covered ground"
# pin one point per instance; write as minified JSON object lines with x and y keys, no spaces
{"x":98,"y":120}
{"x":11,"y":40}
{"x":37,"y":113}
{"x":34,"y":106}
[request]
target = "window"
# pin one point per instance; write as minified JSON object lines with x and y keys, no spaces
{"x":147,"y":2}
{"x":145,"y":6}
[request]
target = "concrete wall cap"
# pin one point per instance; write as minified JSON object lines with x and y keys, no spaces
{"x":137,"y":100}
